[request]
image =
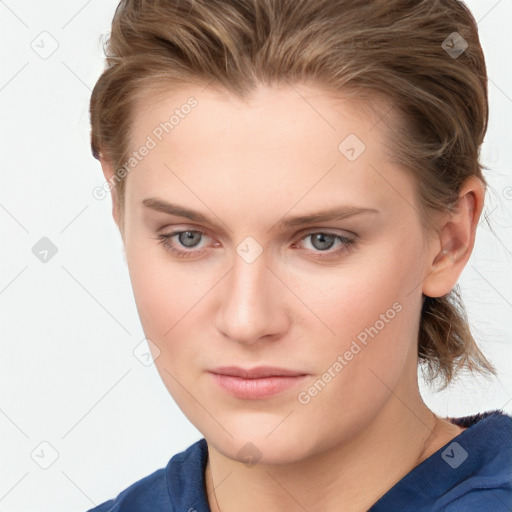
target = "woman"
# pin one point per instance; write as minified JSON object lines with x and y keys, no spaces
{"x":297,"y":186}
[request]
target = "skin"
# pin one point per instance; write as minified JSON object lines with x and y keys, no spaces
{"x":246,"y":166}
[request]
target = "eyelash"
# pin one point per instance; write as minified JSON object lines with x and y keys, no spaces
{"x":164,"y":239}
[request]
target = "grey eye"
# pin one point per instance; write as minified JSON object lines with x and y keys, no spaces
{"x":189,"y":238}
{"x":322,"y":241}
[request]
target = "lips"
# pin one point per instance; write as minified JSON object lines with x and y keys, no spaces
{"x":256,"y":373}
{"x":255,"y":383}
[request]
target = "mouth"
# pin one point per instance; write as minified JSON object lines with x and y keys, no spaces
{"x":256,"y":373}
{"x":256,"y":383}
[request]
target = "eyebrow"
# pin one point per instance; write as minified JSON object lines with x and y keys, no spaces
{"x":333,"y":214}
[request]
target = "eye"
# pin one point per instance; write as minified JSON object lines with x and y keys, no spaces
{"x":185,"y":239}
{"x":323,"y":242}
{"x":189,"y":238}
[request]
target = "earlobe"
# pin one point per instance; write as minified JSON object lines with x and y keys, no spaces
{"x":456,"y":238}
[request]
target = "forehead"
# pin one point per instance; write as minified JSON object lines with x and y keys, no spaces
{"x":284,"y":143}
{"x":276,"y":107}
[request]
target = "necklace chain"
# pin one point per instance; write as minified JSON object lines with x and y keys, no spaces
{"x":209,"y":471}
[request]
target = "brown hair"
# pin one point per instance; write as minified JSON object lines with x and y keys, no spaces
{"x":393,"y":49}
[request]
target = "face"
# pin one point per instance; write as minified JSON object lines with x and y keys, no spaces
{"x":230,"y":266}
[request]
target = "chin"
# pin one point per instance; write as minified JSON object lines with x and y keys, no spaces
{"x":252,"y":444}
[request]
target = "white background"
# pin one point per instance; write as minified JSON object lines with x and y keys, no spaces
{"x":68,"y":375}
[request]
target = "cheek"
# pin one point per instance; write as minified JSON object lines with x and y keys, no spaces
{"x":168,"y":305}
{"x":165,"y":294}
{"x":366,"y":290}
{"x":375,"y":326}
{"x":372,"y":311}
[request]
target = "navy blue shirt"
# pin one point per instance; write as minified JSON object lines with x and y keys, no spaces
{"x":473,"y":472}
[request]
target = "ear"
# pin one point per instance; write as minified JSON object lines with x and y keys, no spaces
{"x":112,"y":179}
{"x":456,"y":238}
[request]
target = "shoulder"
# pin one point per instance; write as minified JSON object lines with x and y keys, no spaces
{"x":148,"y":490}
{"x":485,"y":484}
{"x":166,"y":489}
{"x":471,"y":472}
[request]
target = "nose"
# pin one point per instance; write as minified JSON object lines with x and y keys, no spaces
{"x":252,"y":303}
